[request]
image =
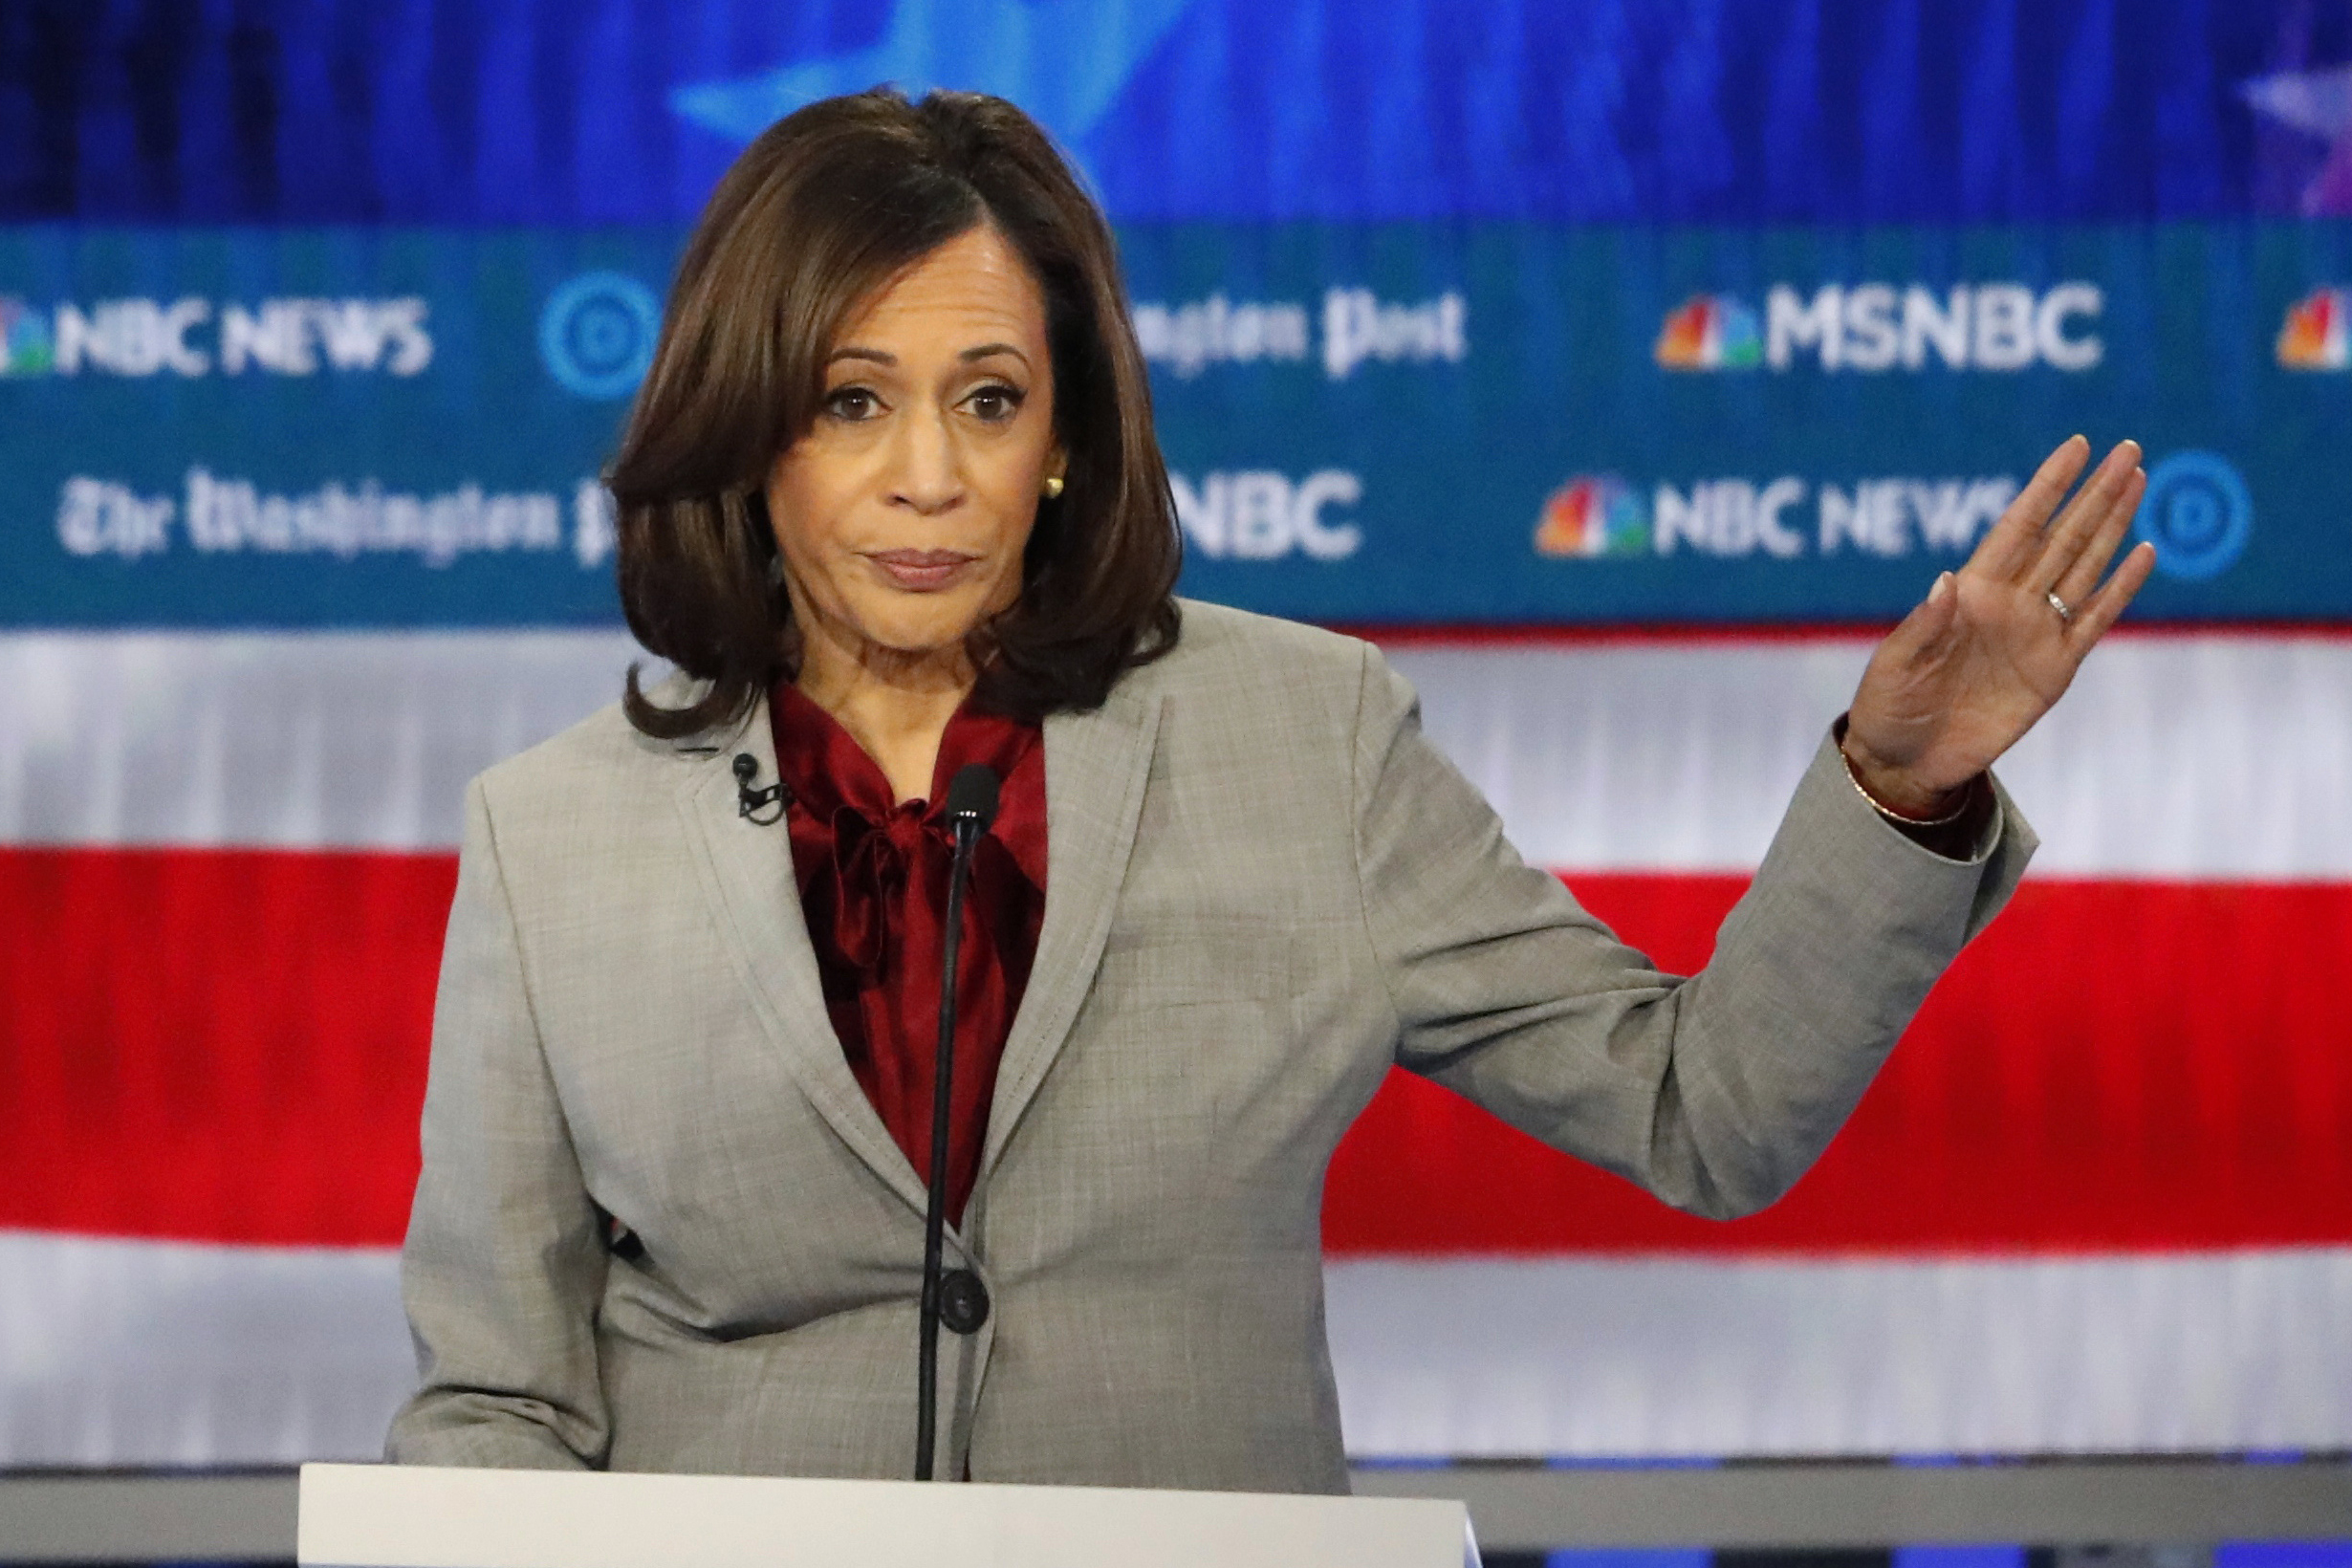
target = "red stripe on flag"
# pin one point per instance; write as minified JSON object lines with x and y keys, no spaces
{"x":218,"y":1045}
{"x":230,"y":1045}
{"x":2112,"y":1066}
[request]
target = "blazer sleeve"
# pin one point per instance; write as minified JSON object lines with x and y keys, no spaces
{"x":504,"y":1261}
{"x":1714,"y":1092}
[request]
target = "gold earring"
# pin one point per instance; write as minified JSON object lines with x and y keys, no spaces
{"x":1052,"y":487}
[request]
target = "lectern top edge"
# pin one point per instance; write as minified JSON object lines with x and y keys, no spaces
{"x":398,"y":1516}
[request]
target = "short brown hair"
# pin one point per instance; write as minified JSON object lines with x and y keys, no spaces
{"x":818,"y":215}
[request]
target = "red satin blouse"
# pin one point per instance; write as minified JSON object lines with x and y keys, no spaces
{"x":873,"y":876}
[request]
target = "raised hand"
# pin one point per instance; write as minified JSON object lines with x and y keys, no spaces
{"x":1996,"y":644}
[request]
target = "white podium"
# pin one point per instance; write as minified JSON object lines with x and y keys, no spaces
{"x":401,"y":1517}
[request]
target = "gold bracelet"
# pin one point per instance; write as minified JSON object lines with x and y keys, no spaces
{"x":1967,"y":798}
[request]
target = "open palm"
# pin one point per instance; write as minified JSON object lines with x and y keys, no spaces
{"x":1988,"y":651}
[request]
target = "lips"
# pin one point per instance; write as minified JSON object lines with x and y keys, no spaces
{"x":923,"y":571}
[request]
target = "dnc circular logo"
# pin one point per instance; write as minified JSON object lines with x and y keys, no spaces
{"x":597,"y":334}
{"x":2197,"y":513}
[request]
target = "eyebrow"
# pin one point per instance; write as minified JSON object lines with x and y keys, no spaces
{"x":878,"y":357}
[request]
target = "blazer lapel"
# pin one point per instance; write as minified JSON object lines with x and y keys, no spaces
{"x":1095,"y":765}
{"x":746,"y":871}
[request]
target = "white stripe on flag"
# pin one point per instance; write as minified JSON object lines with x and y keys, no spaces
{"x":152,"y":1353}
{"x":1590,"y":1357}
{"x":116,"y":1353}
{"x":360,"y":741}
{"x":2224,"y":757}
{"x":2196,"y":757}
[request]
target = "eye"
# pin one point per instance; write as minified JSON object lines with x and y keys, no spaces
{"x":852,"y":402}
{"x":995,"y":402}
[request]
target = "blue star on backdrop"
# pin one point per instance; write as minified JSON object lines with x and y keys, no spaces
{"x":594,"y":113}
{"x":1063,"y":61}
{"x":2320,"y":104}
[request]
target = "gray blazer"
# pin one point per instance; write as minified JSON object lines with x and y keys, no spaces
{"x":1266,"y":887}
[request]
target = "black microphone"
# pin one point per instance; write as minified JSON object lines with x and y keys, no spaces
{"x":971,"y":806}
{"x":972,"y":800}
{"x":751,"y":802}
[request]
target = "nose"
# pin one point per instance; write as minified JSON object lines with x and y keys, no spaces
{"x":927,"y":469}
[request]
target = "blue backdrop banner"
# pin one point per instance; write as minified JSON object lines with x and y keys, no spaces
{"x":1688,"y":311}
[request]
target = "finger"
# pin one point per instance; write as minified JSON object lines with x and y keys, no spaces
{"x":2008,"y":543}
{"x":2085,"y":574}
{"x":2073,"y":530}
{"x":2099,"y":612}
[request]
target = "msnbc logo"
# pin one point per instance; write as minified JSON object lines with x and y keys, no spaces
{"x":1710,"y":332}
{"x":2317,"y":336}
{"x":1594,"y":514}
{"x":1877,"y":327}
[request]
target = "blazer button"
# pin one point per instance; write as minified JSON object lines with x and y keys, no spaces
{"x":963,"y":1301}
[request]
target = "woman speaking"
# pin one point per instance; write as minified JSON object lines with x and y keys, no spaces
{"x":891,"y":503}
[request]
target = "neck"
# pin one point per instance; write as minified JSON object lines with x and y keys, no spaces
{"x":895,"y":704}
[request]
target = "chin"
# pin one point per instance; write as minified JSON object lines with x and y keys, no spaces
{"x":920,"y":623}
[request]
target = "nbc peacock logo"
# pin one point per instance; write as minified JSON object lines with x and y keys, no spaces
{"x":1710,"y":332}
{"x":2316,"y":334}
{"x":26,"y":348}
{"x":1593,"y":515}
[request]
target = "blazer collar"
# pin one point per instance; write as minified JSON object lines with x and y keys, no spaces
{"x":746,"y":871}
{"x":1095,"y":765}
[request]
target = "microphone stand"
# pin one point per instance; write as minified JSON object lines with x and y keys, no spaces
{"x":971,"y":803}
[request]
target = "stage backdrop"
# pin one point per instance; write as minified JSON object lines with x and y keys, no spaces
{"x":1619,"y":365}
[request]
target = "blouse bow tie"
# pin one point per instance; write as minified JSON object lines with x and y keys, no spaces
{"x":870,"y":865}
